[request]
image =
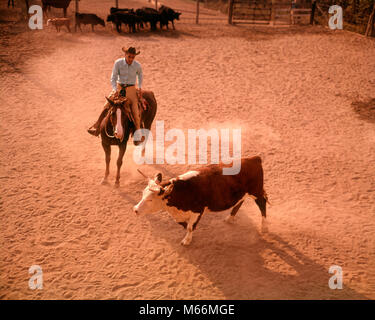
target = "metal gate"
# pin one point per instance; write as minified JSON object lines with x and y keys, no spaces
{"x":251,"y":11}
{"x":273,"y":12}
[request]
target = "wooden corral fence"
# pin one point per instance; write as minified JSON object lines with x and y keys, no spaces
{"x":272,"y":12}
{"x":251,"y":11}
{"x":303,"y":11}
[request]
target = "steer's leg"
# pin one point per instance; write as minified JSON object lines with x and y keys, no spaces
{"x":262,"y":203}
{"x":230,"y":218}
{"x":192,"y":223}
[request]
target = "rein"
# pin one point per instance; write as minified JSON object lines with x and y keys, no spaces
{"x":125,"y":112}
{"x":109,"y":136}
{"x":105,"y":127}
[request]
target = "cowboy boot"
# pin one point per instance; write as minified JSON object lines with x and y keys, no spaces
{"x":137,"y":122}
{"x":95,"y":128}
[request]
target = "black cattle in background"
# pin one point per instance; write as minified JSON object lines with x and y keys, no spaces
{"x":122,"y":10}
{"x":167,"y":14}
{"x":129,"y":19}
{"x":47,"y":4}
{"x":88,"y":18}
{"x":149,"y":15}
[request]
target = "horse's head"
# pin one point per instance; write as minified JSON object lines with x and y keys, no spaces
{"x":118,"y":117}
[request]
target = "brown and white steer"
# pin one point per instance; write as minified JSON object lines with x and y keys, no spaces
{"x":59,"y":22}
{"x":193,"y":193}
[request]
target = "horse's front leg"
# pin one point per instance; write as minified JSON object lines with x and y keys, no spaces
{"x":122,"y":148}
{"x":107,"y":150}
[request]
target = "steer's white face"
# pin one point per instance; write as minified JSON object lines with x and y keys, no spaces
{"x":151,"y":201}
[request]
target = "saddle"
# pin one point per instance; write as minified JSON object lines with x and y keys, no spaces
{"x":117,"y":97}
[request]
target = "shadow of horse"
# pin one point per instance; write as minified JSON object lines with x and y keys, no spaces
{"x":244,"y":264}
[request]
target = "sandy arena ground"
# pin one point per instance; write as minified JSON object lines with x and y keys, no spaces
{"x":304,"y":98}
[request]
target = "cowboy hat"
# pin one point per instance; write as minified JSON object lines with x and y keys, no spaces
{"x":131,"y":50}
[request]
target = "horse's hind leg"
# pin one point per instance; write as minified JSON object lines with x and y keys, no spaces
{"x":121,"y":153}
{"x":143,"y":145}
{"x":107,"y":150}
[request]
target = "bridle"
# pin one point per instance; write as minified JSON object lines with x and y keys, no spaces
{"x":126,"y":114}
{"x":105,"y":127}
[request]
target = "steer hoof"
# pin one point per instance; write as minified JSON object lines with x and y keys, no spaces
{"x":264,"y":226}
{"x":229,"y":219}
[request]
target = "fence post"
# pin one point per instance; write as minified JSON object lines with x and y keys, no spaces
{"x":230,"y":11}
{"x":272,"y":22}
{"x":370,"y":23}
{"x":116,"y":3}
{"x":156,"y":4}
{"x":313,"y":6}
{"x":197,"y":17}
{"x":27,"y":9}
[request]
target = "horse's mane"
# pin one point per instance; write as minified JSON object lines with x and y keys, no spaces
{"x":124,"y":105}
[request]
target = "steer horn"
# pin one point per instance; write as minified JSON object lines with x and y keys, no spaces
{"x":167,"y":190}
{"x":143,"y":174}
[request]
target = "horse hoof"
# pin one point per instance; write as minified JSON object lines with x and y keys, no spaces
{"x":104,"y":182}
{"x":117,"y":184}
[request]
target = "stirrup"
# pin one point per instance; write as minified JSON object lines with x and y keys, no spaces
{"x":136,"y":143}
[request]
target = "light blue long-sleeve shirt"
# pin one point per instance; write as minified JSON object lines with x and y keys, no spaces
{"x":126,"y":74}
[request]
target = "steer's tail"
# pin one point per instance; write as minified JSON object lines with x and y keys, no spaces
{"x":262,"y":203}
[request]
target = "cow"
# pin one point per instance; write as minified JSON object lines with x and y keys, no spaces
{"x":187,"y":197}
{"x":167,"y":14}
{"x":131,"y":20}
{"x":47,"y":4}
{"x":124,"y":10}
{"x":149,"y":15}
{"x":59,"y":22}
{"x":88,"y":18}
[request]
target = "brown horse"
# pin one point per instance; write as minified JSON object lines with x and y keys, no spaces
{"x":47,"y":4}
{"x":118,"y":125}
